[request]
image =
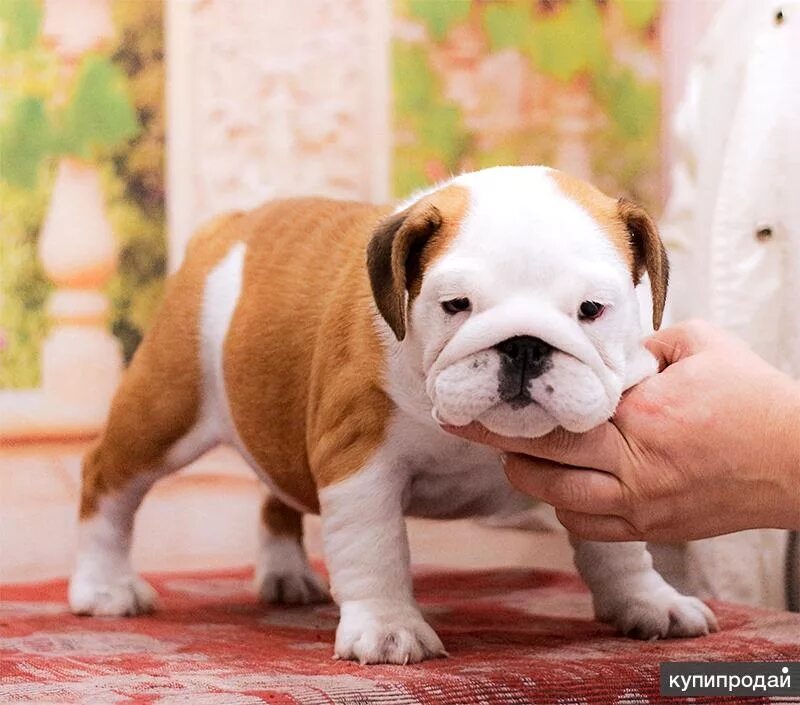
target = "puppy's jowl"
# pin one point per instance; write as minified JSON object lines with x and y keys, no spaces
{"x":328,"y":342}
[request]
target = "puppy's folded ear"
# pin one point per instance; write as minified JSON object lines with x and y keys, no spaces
{"x":394,"y":260}
{"x":648,"y":254}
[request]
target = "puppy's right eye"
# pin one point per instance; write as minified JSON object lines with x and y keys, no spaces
{"x":455,"y":306}
{"x":589,"y":310}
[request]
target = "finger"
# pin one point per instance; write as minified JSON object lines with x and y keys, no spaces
{"x":668,"y":346}
{"x":600,"y":448}
{"x":594,"y":527}
{"x":684,"y":340}
{"x":565,"y":487}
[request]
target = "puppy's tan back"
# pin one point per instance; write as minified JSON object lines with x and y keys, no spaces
{"x":300,"y":345}
{"x":302,"y":357}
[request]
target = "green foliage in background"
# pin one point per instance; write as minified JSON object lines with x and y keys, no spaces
{"x":639,"y":14}
{"x":568,"y":42}
{"x":135,"y":175}
{"x":99,"y":114}
{"x":97,"y":117}
{"x":113,"y":115}
{"x":20,"y":21}
{"x":565,"y":41}
{"x":435,"y":122}
{"x":25,"y":141}
{"x":440,"y":17}
{"x":28,"y":74}
{"x":23,"y":286}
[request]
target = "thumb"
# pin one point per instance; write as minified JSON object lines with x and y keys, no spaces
{"x":681,"y":341}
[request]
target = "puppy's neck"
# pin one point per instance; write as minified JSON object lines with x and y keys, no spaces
{"x":405,"y":380}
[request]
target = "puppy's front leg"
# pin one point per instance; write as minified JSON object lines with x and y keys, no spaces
{"x":629,"y":593}
{"x":366,"y":548}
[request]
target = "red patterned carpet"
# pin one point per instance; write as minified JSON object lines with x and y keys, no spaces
{"x":513,"y":637}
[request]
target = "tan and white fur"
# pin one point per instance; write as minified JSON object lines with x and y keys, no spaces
{"x":311,"y":335}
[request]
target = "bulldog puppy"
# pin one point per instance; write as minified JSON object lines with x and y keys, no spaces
{"x":329,"y":341}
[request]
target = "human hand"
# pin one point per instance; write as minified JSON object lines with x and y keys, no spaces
{"x":708,"y":446}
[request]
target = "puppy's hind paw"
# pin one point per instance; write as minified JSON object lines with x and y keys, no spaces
{"x":283,"y":575}
{"x":292,"y":588}
{"x":123,"y":596}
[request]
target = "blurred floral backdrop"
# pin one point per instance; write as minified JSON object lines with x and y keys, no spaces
{"x":111,"y":112}
{"x":569,"y":83}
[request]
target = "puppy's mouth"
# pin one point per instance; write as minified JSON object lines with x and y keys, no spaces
{"x":515,"y":389}
{"x":519,"y":400}
{"x":521,"y":415}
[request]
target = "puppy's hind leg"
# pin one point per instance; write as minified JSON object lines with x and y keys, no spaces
{"x":282,"y":573}
{"x":117,"y":474}
{"x":154,"y":428}
{"x":104,"y":582}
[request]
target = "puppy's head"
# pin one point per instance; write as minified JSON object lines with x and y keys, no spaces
{"x":513,"y":288}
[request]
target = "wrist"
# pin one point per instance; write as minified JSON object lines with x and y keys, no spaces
{"x":784,"y":476}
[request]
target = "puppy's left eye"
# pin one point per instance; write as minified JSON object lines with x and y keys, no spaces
{"x":589,"y":310}
{"x":455,"y":306}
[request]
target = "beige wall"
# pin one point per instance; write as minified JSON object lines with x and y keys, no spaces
{"x":272,"y":99}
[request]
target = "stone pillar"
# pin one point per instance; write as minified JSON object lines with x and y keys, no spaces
{"x":81,"y":362}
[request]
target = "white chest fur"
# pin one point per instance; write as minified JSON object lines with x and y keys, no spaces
{"x":445,"y":477}
{"x":442,"y":476}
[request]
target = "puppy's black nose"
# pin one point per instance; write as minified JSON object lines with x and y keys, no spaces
{"x":525,"y":351}
{"x":522,"y":359}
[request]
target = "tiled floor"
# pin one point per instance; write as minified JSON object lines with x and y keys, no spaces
{"x":205,"y":517}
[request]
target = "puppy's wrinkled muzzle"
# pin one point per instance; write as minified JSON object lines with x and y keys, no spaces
{"x":521,"y":387}
{"x":464,"y":390}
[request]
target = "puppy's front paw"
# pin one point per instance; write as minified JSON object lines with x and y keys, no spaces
{"x":660,"y":615}
{"x":123,"y":596}
{"x":385,"y":631}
